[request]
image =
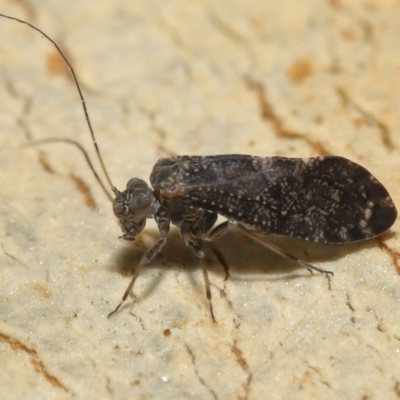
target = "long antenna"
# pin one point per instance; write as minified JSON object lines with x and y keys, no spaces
{"x":40,"y":142}
{"x":71,"y":69}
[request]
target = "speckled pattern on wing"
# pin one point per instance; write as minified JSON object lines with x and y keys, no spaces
{"x":323,"y":199}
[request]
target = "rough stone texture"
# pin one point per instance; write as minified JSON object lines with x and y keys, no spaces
{"x":162,"y":78}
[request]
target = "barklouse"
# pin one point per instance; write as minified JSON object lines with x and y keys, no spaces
{"x":329,"y":199}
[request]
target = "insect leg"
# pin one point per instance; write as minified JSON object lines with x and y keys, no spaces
{"x":283,"y":253}
{"x":186,"y":228}
{"x":221,"y":260}
{"x":163,"y":227}
{"x":216,"y":233}
{"x":208,"y":289}
{"x":219,"y":231}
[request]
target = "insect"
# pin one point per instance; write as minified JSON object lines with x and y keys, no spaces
{"x":329,"y":199}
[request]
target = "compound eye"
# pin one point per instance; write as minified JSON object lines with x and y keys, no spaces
{"x":140,"y":200}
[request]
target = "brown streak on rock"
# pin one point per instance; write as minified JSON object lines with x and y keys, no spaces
{"x":299,"y":71}
{"x":349,"y":35}
{"x":268,"y":114}
{"x":44,"y":162}
{"x":29,"y":9}
{"x":56,"y":65}
{"x":336,"y":4}
{"x":393,"y":254}
{"x":85,"y":190}
{"x":35,"y":361}
{"x":42,"y":291}
{"x":243,"y":364}
{"x":368,"y":118}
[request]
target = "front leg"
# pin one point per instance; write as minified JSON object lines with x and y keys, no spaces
{"x":163,"y":223}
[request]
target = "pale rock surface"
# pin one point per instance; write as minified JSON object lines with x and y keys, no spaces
{"x":162,"y":78}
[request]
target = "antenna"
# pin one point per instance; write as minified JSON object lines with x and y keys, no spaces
{"x":40,"y":142}
{"x":85,"y":110}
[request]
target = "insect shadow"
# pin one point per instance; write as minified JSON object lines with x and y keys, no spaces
{"x":233,"y":257}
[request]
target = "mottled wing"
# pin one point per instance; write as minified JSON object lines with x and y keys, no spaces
{"x":325,"y":199}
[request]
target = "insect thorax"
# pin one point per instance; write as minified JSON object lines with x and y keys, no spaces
{"x":170,"y":181}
